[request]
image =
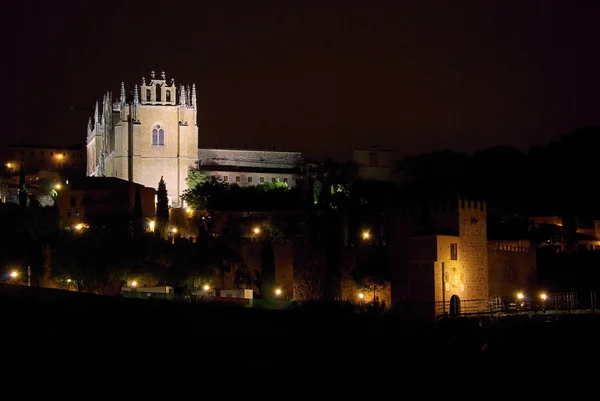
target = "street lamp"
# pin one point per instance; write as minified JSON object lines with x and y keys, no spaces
{"x":366,"y":235}
{"x":278,"y":291}
{"x":14,"y":274}
{"x":520,"y":295}
{"x":9,"y":165}
{"x":151,"y":225}
{"x":256,"y":230}
{"x":206,"y":287}
{"x":134,"y":283}
{"x":544,"y":296}
{"x":361,"y":295}
{"x":57,"y":186}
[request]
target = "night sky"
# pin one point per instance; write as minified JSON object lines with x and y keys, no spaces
{"x":322,"y":77}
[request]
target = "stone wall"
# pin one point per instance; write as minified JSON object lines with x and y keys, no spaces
{"x":249,"y":158}
{"x":512,"y":267}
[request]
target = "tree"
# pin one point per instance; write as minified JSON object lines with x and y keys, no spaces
{"x":162,"y":209}
{"x":195,"y":179}
{"x":22,"y":188}
{"x":309,"y":281}
{"x":267,"y":276}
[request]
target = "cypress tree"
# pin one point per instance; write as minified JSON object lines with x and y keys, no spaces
{"x":162,"y":210}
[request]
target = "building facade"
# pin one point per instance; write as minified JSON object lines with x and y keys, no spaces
{"x":145,"y":136}
{"x":252,"y":167}
{"x":153,"y":133}
{"x":96,"y":198}
{"x":37,"y":158}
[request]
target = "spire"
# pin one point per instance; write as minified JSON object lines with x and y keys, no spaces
{"x":143,"y":81}
{"x":96,"y":114}
{"x":89,"y":127}
{"x":163,"y":75}
{"x":136,"y":103}
{"x":182,"y":96}
{"x":152,"y":74}
{"x":172,"y":81}
{"x":103,"y":107}
{"x":122,"y":96}
{"x":194,"y":96}
{"x":188,"y":91}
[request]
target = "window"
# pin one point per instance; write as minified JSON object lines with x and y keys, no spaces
{"x":262,"y":180}
{"x":158,"y":136}
{"x":454,"y":251}
{"x":158,"y":93}
{"x":285,"y":180}
{"x":76,"y":214}
{"x":168,"y":96}
{"x":148,"y":95}
{"x":273,"y":180}
{"x":237,"y":178}
{"x":73,"y":201}
{"x":250,"y":180}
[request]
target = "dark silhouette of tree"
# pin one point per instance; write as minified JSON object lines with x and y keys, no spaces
{"x":23,"y":197}
{"x":267,"y":277}
{"x":162,"y":209}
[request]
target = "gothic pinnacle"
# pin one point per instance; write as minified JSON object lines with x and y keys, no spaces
{"x":122,"y":97}
{"x":96,"y":114}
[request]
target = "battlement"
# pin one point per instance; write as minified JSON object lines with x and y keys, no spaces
{"x":510,"y":246}
{"x":434,"y":207}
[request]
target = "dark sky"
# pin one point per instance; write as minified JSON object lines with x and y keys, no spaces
{"x":322,"y":76}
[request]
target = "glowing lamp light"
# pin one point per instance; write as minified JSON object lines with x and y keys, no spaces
{"x":361,"y":295}
{"x":366,"y":235}
{"x":256,"y":230}
{"x":278,"y":292}
{"x":189,"y":210}
{"x":57,"y":186}
{"x":151,"y":225}
{"x":78,"y":227}
{"x":68,"y":280}
{"x":520,"y":295}
{"x":206,"y":287}
{"x":174,"y":230}
{"x":14,"y":274}
{"x":134,"y":283}
{"x":59,"y":156}
{"x":9,"y":165}
{"x":544,"y":296}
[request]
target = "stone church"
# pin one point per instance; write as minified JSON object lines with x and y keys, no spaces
{"x":152,"y":131}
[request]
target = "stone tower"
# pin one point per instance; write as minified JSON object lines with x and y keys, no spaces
{"x":145,"y":134}
{"x":439,"y":255}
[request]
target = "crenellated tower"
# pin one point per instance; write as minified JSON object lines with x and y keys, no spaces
{"x":146,"y":133}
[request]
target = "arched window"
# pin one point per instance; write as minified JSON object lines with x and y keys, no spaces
{"x":158,"y":136}
{"x":158,"y":93}
{"x":148,"y":95}
{"x":168,"y":96}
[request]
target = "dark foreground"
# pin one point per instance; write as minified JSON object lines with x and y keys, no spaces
{"x":47,"y":329}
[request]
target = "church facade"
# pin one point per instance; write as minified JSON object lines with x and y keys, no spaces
{"x":152,"y":132}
